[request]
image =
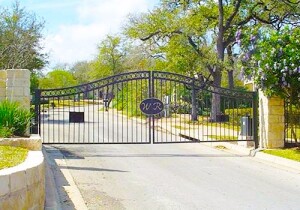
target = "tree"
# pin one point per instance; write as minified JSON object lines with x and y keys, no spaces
{"x":272,"y":60}
{"x":207,"y":24}
{"x":20,"y":36}
{"x":109,"y":62}
{"x":137,"y":57}
{"x":81,"y":71}
{"x":110,"y":58}
{"x":57,"y":78}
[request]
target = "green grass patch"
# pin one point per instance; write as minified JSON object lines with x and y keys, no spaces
{"x":11,"y":156}
{"x":222,"y":137}
{"x":203,"y":121}
{"x":68,"y":103}
{"x":296,"y":131}
{"x":293,"y":154}
{"x":180,"y":127}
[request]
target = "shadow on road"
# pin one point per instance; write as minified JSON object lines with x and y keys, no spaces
{"x":91,"y":169}
{"x":166,"y":155}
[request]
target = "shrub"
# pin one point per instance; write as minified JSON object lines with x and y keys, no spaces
{"x":13,"y":118}
{"x":5,"y":132}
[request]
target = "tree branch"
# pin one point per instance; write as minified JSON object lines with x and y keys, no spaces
{"x":232,"y":16}
{"x":150,"y":35}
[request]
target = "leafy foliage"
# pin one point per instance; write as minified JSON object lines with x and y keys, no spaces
{"x":81,"y":71}
{"x":273,"y":61}
{"x":109,"y":59}
{"x":5,"y":132}
{"x":57,"y":79}
{"x":20,"y":36}
{"x":13,"y":119}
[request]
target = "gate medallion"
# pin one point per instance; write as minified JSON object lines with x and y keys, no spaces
{"x":151,"y":106}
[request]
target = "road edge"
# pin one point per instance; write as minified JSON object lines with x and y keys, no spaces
{"x":54,"y":201}
{"x":257,"y":153}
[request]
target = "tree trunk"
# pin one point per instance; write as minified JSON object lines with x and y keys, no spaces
{"x":230,"y":79}
{"x":194,"y":114}
{"x":230,"y":72}
{"x":217,"y":74}
{"x":216,"y":98}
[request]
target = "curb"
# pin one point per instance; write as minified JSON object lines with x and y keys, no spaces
{"x":278,"y":160}
{"x":52,"y":201}
{"x":257,"y":153}
{"x":70,"y":189}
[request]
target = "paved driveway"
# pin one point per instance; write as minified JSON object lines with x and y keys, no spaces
{"x":176,"y":176}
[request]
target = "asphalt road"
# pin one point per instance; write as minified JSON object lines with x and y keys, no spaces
{"x":176,"y":176}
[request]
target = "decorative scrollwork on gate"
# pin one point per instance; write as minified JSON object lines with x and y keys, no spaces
{"x":124,"y":77}
{"x":194,"y":83}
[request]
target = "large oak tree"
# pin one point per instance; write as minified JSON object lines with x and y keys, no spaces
{"x":210,"y":24}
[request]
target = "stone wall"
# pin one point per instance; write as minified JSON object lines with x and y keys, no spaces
{"x":23,"y":186}
{"x":34,"y":142}
{"x":271,"y":122}
{"x":15,"y":86}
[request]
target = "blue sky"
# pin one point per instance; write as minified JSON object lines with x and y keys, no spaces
{"x":73,"y":28}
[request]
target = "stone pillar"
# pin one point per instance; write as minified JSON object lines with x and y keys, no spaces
{"x":15,"y":86}
{"x":271,"y":121}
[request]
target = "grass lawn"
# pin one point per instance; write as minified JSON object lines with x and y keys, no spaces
{"x":204,"y":121}
{"x":11,"y":156}
{"x":222,"y":137}
{"x":293,"y":154}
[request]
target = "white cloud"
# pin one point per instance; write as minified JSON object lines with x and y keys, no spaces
{"x":74,"y":43}
{"x":96,"y":19}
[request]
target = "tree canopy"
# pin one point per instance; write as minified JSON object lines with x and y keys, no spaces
{"x":110,"y":57}
{"x":208,"y":27}
{"x":57,"y":78}
{"x":273,"y":62}
{"x":20,"y":39}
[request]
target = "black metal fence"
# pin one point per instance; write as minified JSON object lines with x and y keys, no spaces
{"x":292,"y":124}
{"x":107,"y":111}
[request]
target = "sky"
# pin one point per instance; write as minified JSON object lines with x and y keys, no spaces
{"x":74,"y":28}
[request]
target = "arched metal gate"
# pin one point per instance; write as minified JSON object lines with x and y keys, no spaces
{"x":107,"y":111}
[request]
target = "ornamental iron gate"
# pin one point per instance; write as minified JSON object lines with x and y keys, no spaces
{"x":292,"y":124}
{"x":108,"y":111}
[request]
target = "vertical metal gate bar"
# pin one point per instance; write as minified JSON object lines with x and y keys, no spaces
{"x":37,"y":110}
{"x":117,"y":98}
{"x":103,"y":113}
{"x":113,"y":113}
{"x":168,"y":137}
{"x":136,"y":111}
{"x":99,"y":111}
{"x":127,"y":111}
{"x":170,"y":108}
{"x":122,"y":111}
{"x":151,"y":95}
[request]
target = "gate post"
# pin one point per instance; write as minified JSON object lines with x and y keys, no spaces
{"x":271,"y":121}
{"x":15,"y":85}
{"x":36,"y":128}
